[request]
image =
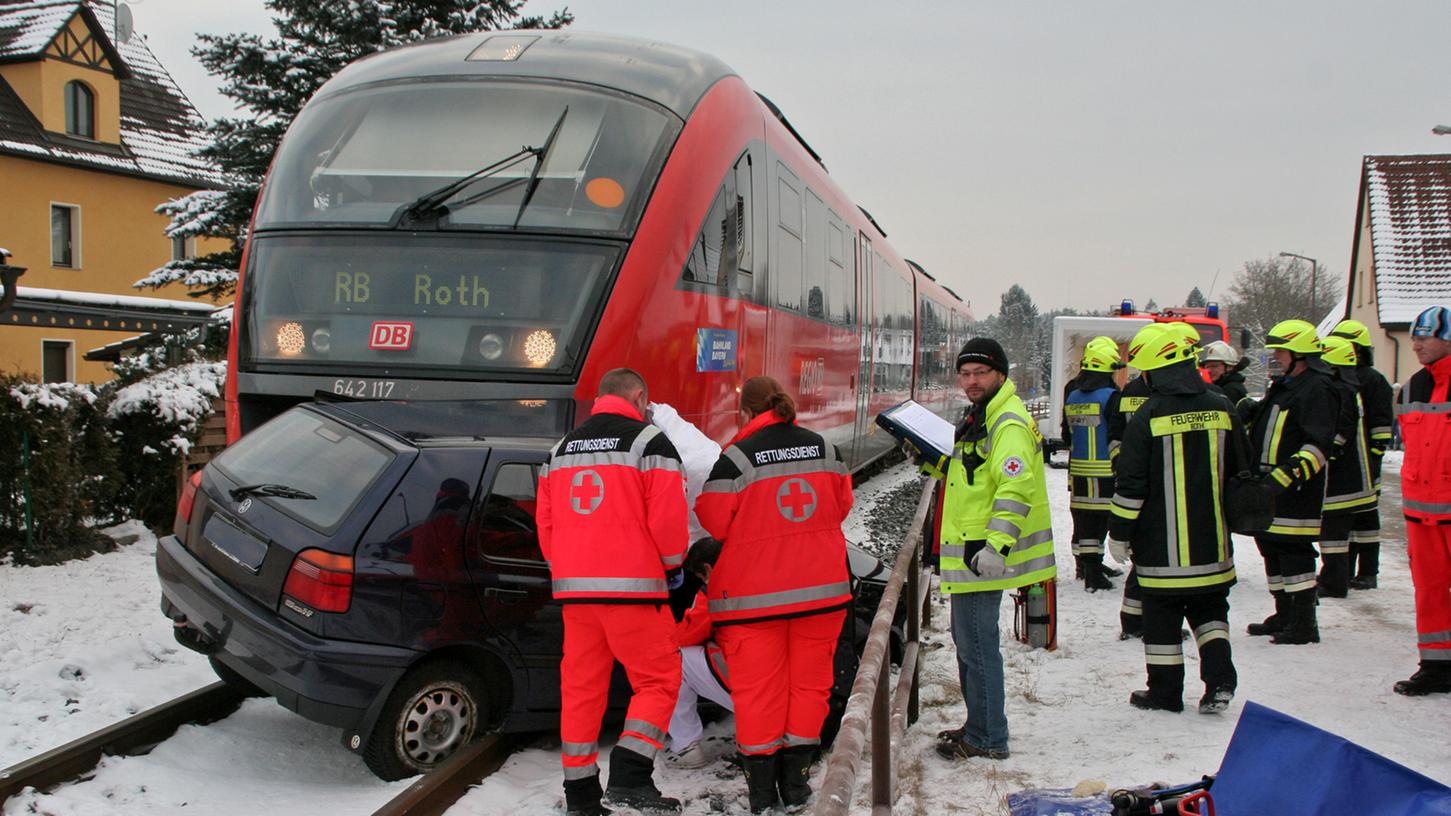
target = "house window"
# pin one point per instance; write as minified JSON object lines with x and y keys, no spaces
{"x":55,"y":361}
{"x":80,"y":110}
{"x":182,"y":248}
{"x":65,"y":235}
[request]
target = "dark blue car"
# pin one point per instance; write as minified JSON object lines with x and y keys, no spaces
{"x":371,"y":568}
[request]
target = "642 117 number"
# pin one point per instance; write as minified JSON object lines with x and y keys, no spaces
{"x":364,"y":389}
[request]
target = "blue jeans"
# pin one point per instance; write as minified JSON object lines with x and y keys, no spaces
{"x":980,"y":667}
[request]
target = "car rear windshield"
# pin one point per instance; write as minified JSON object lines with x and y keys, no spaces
{"x":311,"y":453}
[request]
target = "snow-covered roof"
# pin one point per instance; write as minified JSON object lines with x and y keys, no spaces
{"x":1410,"y":225}
{"x":160,"y":129}
{"x":34,"y":293}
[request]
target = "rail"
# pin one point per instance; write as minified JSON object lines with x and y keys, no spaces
{"x":889,"y":711}
{"x":130,"y":737}
{"x":437,"y":791}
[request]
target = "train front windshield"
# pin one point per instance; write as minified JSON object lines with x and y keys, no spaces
{"x":380,"y":249}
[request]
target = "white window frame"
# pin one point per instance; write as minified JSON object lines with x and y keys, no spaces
{"x":70,"y":358}
{"x":75,"y":234}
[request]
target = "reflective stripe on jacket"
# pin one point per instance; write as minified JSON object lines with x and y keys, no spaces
{"x":1349,"y":487}
{"x":1093,"y":427}
{"x":1424,"y":411}
{"x":1000,"y":501}
{"x":1177,"y":451}
{"x":776,"y":499}
{"x":1298,"y":414}
{"x":611,"y":509}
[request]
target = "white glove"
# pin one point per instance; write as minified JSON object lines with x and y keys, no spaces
{"x":1118,"y":551}
{"x":989,"y":563}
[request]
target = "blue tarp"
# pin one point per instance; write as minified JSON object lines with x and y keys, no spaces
{"x":1280,"y":765}
{"x":1058,"y":802}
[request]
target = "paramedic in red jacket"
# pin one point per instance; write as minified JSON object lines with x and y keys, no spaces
{"x":1424,"y":411}
{"x":776,"y":499}
{"x":612,"y":524}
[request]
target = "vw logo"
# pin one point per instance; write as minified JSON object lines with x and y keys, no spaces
{"x":244,"y":506}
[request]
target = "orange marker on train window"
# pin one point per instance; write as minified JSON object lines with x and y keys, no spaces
{"x":605,"y":192}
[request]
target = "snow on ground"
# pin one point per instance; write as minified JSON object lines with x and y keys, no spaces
{"x":84,"y":644}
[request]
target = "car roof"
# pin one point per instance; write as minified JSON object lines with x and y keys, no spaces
{"x":528,"y":425}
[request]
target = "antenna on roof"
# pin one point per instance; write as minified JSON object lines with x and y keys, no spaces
{"x":125,"y":25}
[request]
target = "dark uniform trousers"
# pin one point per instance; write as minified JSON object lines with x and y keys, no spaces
{"x":1208,"y":616}
{"x":1365,"y":543}
{"x":1289,"y":562}
{"x":1131,"y":611}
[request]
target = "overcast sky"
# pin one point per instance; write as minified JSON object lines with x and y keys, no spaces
{"x":1086,"y":150}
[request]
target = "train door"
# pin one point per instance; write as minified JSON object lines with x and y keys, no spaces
{"x":752,"y":218}
{"x":863,"y":380}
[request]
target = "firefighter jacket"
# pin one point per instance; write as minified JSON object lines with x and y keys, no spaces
{"x":611,"y":509}
{"x":1424,"y":411}
{"x":695,"y":629}
{"x":996,"y":496}
{"x":1293,"y":432}
{"x":1377,"y":400}
{"x":1092,"y":429}
{"x":1135,"y":393}
{"x":776,"y":499}
{"x":1172,"y":467}
{"x":1349,"y":487}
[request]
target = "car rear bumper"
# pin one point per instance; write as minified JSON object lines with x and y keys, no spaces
{"x":327,"y":681}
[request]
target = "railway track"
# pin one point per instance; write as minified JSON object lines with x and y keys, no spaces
{"x":429,"y":795}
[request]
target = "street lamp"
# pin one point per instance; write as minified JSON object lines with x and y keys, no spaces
{"x":1313,"y":315}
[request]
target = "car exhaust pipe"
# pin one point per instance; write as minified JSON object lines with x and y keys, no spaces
{"x":191,"y":637}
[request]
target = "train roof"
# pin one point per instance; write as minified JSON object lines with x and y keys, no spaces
{"x":666,"y":74}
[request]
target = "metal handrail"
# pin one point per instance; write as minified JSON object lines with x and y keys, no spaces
{"x":891,"y":710}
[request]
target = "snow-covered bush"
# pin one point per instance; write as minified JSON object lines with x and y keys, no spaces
{"x":61,"y":474}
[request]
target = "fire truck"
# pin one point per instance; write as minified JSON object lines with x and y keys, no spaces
{"x":1204,"y":318}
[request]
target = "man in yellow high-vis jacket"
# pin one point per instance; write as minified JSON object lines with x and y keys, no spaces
{"x":996,"y":534}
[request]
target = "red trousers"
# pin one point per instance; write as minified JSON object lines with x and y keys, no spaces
{"x":781,"y":678}
{"x":1430,"y":552}
{"x":595,"y":636}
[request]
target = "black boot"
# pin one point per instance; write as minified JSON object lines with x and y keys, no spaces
{"x":795,"y":780}
{"x":1078,"y":568}
{"x":1334,"y":580}
{"x":1431,"y":678}
{"x":1302,"y":627}
{"x":762,"y":772}
{"x":1367,"y":556}
{"x":1094,"y":577}
{"x":1275,"y":622}
{"x":632,"y":786}
{"x":1145,"y":700}
{"x":582,"y":797}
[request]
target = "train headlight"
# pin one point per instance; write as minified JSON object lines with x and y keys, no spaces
{"x":491,"y":346}
{"x":322,"y":340}
{"x":539,"y":347}
{"x":290,"y":339}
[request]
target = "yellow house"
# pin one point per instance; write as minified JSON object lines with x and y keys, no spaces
{"x":94,"y":134}
{"x":1401,"y":254}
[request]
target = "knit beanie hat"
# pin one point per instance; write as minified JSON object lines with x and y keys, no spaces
{"x":986,"y":351}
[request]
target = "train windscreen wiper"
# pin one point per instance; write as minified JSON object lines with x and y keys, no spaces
{"x":539,"y":159}
{"x":431,"y":203}
{"x":280,"y":491}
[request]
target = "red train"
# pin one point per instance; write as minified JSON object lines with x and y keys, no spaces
{"x":498,"y":219}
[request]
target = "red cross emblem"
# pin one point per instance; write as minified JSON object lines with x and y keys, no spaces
{"x":586,"y":492}
{"x":796,"y":500}
{"x":1013,"y":466}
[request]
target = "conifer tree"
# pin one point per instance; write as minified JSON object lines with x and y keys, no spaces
{"x":270,"y":79}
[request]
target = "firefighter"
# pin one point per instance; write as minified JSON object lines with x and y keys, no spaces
{"x":1224,"y":366}
{"x":1131,"y":608}
{"x":612,"y":525}
{"x":1349,"y":490}
{"x":776,"y":499}
{"x":1424,"y":410}
{"x":1092,"y":427}
{"x":1378,"y":402}
{"x":996,"y":534}
{"x":1168,"y":516}
{"x":1292,"y":434}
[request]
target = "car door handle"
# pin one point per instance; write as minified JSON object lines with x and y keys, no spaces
{"x":505,"y":596}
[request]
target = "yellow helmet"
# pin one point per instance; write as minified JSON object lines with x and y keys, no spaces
{"x":1339,"y":351}
{"x":1101,"y":354}
{"x":1296,"y":336}
{"x":1156,"y":346}
{"x":1185,"y":332}
{"x":1354,"y":331}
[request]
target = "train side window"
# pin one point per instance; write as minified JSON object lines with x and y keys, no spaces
{"x":716,"y":238}
{"x":745,"y":213}
{"x":506,"y":529}
{"x":814,"y":280}
{"x":840,"y":285}
{"x":788,"y":240}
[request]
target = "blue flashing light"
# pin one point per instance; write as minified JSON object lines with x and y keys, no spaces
{"x":1127,"y":307}
{"x":1212,"y":309}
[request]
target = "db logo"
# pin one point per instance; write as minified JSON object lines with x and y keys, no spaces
{"x":392,"y":336}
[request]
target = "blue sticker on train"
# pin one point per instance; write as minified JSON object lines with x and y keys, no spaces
{"x":715,"y":350}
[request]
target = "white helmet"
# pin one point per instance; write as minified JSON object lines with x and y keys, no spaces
{"x":1219,"y":351}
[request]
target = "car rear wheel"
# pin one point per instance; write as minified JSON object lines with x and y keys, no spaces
{"x":434,"y":710}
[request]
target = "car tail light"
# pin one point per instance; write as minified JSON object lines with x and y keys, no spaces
{"x":321,"y":580}
{"x":185,"y":504}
